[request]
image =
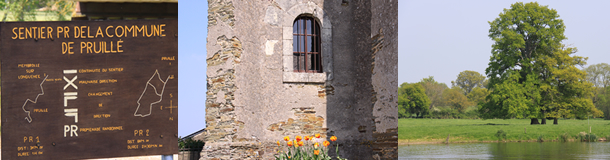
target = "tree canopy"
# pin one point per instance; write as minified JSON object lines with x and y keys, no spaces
{"x":412,"y":99}
{"x":468,"y":80}
{"x":33,"y":10}
{"x":455,"y":98}
{"x":599,"y":76}
{"x":434,"y":90}
{"x":531,"y":74}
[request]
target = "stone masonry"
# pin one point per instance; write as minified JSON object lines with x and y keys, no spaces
{"x":254,"y":97}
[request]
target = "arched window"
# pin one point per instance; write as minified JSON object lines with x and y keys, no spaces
{"x":307,"y":56}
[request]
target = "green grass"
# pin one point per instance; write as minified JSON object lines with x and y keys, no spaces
{"x":477,"y":130}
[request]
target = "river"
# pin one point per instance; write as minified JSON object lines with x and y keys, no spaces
{"x":512,"y":150}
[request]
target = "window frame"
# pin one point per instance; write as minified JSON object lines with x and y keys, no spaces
{"x":288,"y":17}
{"x":307,"y":28}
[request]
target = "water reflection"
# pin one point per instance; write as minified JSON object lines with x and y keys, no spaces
{"x":526,"y":150}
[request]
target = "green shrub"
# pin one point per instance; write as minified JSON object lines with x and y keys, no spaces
{"x":501,"y":135}
{"x":564,"y":137}
{"x":541,"y":138}
{"x":189,"y":143}
{"x":591,"y":137}
{"x":588,"y":137}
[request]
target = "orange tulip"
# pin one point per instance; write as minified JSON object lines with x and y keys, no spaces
{"x":278,"y":143}
{"x":300,"y":143}
{"x":317,"y":135}
{"x":286,"y":138}
{"x":326,"y":143}
{"x":298,"y":138}
{"x":289,"y":143}
{"x":316,"y":152}
{"x":306,"y":138}
{"x":316,"y":145}
{"x":333,"y":138}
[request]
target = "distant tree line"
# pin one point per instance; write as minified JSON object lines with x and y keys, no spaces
{"x":431,"y":99}
{"x":30,"y":10}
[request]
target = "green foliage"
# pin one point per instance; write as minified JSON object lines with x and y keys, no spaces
{"x":450,"y":113}
{"x":468,"y":80}
{"x":501,"y":135}
{"x":434,"y":90}
{"x":510,"y":99}
{"x":477,"y":95}
{"x":587,"y":137}
{"x":531,"y":74}
{"x":599,"y":76}
{"x":540,"y":138}
{"x":33,"y":10}
{"x":565,"y":137}
{"x":412,"y":99}
{"x":454,"y":98}
{"x":189,"y":143}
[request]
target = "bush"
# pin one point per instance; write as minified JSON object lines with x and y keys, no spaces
{"x":189,"y":143}
{"x":590,"y":137}
{"x":450,"y":113}
{"x":501,"y":135}
{"x":565,"y":137}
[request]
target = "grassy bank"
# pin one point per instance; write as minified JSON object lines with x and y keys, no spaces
{"x":468,"y":130}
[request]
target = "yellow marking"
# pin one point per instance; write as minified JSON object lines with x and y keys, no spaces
{"x":171,"y":107}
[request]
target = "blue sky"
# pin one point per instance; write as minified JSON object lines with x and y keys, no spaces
{"x":435,"y":38}
{"x":192,"y":28}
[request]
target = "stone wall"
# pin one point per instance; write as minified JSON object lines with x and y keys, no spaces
{"x":253,"y":99}
{"x":384,"y":33}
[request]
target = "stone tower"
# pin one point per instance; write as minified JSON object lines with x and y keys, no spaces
{"x":298,"y":67}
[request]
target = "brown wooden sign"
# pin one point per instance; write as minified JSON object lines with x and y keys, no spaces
{"x":86,"y":89}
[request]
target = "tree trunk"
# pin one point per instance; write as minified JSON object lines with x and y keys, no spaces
{"x":534,"y":121}
{"x":543,"y":117}
{"x":555,"y":120}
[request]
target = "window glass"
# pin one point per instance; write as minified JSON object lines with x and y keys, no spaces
{"x":301,"y":44}
{"x":308,"y":26}
{"x":295,"y":43}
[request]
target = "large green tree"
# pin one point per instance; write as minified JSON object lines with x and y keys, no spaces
{"x":529,"y":70}
{"x":412,"y":99}
{"x":477,"y":95}
{"x":455,"y":98}
{"x":565,"y":90}
{"x":468,"y":80}
{"x":434,"y":90}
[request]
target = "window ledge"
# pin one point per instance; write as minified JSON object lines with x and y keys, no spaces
{"x":296,"y":77}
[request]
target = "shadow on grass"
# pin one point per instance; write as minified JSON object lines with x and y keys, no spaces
{"x":482,"y":124}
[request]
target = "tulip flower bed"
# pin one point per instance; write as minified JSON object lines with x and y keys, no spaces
{"x":306,"y":148}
